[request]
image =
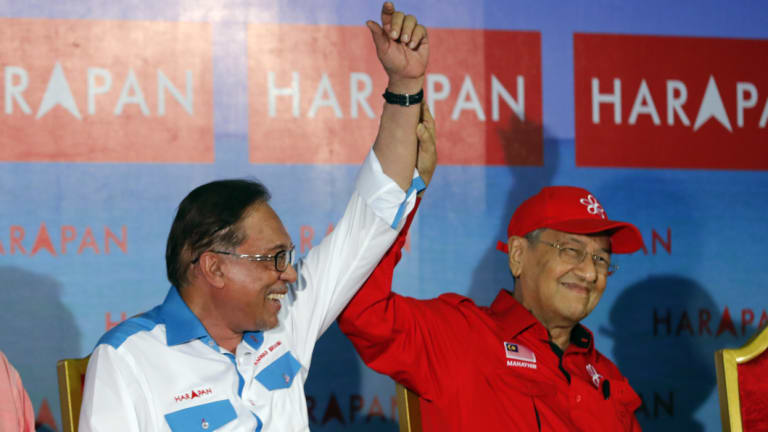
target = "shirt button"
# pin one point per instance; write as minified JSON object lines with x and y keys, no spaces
{"x":578,"y":398}
{"x":211,"y":343}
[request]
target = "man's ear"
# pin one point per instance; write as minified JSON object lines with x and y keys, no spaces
{"x":517,"y":247}
{"x":210,"y":268}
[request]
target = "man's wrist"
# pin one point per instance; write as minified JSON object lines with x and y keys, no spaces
{"x":405,"y":85}
{"x":405,"y":100}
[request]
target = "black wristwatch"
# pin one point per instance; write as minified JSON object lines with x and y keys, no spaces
{"x":403,"y":99}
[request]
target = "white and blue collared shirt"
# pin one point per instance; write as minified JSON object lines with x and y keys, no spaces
{"x":161,"y":371}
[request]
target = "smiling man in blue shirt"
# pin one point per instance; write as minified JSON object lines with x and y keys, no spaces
{"x":230,"y":347}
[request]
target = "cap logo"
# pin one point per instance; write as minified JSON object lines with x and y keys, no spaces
{"x":593,"y":207}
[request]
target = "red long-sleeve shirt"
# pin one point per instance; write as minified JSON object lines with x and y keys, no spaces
{"x":485,"y":369}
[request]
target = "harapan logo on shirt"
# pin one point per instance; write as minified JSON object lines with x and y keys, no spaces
{"x":519,"y":356}
{"x":193,"y":394}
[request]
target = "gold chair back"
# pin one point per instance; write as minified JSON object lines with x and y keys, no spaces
{"x":726,"y":365}
{"x":71,"y":374}
{"x":408,"y":411}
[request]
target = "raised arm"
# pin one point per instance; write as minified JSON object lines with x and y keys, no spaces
{"x":403,"y":49}
{"x":336,"y":268}
{"x":383,"y":326}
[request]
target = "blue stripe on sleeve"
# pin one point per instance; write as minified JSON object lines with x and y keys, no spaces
{"x":417,"y":185}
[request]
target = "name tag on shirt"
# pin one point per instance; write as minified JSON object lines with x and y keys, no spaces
{"x":519,"y":356}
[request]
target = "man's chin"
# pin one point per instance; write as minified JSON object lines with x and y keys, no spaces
{"x":272,"y":323}
{"x":267,"y":324}
{"x":575,"y":313}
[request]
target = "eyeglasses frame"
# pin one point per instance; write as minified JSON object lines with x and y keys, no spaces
{"x":262,"y":257}
{"x":612,"y":268}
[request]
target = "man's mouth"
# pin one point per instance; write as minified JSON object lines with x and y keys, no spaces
{"x":577,"y":288}
{"x":275,"y":296}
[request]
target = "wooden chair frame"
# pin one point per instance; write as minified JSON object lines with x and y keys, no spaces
{"x":726,"y":365}
{"x":71,"y":373}
{"x":408,"y":411}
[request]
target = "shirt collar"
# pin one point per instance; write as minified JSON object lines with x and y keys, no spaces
{"x":515,"y":319}
{"x":512,"y":316}
{"x":581,"y":338}
{"x":181,"y":324}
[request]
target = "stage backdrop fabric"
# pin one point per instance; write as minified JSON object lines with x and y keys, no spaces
{"x":113,"y":111}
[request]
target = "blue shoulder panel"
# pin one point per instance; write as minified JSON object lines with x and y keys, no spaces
{"x":129,"y":327}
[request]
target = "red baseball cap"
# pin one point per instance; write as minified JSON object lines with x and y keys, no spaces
{"x":573,"y":210}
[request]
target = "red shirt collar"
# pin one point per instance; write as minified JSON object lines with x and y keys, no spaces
{"x":515,"y":319}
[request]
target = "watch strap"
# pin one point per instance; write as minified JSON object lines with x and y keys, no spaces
{"x":403,"y":99}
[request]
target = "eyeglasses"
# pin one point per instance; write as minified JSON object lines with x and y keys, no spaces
{"x":282,"y":259}
{"x":575,"y":256}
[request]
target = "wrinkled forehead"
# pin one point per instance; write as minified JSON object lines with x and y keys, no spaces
{"x":595,"y":241}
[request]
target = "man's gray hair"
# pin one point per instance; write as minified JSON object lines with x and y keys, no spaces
{"x":534,"y":235}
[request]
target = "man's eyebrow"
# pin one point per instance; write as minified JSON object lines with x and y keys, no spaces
{"x":571,"y":239}
{"x":581,"y":243}
{"x":280,"y":246}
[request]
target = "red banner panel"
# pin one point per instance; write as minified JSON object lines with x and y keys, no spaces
{"x":315,"y":94}
{"x":671,"y":102}
{"x":105,"y":91}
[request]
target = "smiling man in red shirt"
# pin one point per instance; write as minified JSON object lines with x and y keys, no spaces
{"x":524,"y":363}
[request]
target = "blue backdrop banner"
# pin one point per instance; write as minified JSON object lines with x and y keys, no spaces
{"x":113,"y":111}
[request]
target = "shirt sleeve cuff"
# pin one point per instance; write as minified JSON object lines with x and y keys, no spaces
{"x":383,"y":195}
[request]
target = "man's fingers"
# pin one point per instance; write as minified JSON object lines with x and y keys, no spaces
{"x":378,"y":35}
{"x":426,"y":155}
{"x":387,"y":9}
{"x":396,"y":26}
{"x":425,"y":131}
{"x":418,"y":36}
{"x":409,"y":23}
{"x":427,"y":119}
{"x":426,"y":139}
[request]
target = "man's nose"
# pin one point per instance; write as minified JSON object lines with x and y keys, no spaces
{"x":289,"y":275}
{"x":587,"y":269}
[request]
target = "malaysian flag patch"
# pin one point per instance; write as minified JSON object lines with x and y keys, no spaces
{"x":518,"y":352}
